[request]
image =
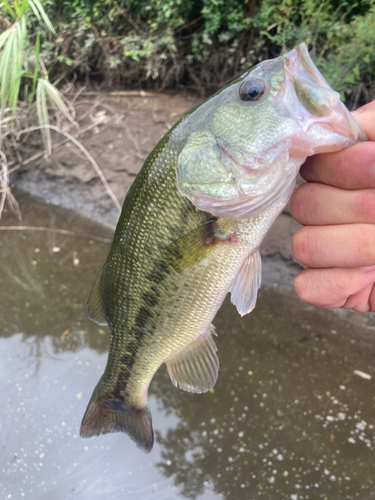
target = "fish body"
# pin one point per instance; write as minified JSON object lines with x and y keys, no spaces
{"x":190,"y":231}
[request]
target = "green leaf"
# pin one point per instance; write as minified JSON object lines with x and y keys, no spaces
{"x":36,"y":68}
{"x":4,"y":36}
{"x":42,"y":112}
{"x":47,"y":92}
{"x":56,"y":99}
{"x":35,"y":10}
{"x":6,"y":67}
{"x":349,"y":78}
{"x":9,"y":9}
{"x":36,"y":5}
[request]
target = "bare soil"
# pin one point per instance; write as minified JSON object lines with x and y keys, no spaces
{"x":123,"y":129}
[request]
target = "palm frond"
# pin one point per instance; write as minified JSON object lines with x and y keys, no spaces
{"x":40,"y":13}
{"x":4,"y":36}
{"x":46,"y":92}
{"x":8,"y":8}
{"x":6,"y":66}
{"x":11,"y":62}
{"x":17,"y":63}
{"x":56,"y":99}
{"x":42,"y":111}
{"x":36,"y":67}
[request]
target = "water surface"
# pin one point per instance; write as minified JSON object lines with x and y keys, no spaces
{"x":289,"y":418}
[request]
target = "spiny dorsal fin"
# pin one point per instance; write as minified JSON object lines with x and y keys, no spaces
{"x":195,"y":369}
{"x":244,"y":289}
{"x":94,"y":307}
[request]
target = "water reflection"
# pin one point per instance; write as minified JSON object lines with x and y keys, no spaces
{"x":288,"y":417}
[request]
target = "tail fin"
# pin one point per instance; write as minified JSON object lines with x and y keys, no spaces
{"x":106,"y":414}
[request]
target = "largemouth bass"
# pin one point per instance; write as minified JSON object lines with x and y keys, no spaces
{"x":190,"y":231}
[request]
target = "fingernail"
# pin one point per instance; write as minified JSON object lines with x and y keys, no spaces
{"x":369,"y":268}
{"x":357,"y":111}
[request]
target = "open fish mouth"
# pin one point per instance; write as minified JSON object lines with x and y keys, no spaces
{"x":320,"y":106}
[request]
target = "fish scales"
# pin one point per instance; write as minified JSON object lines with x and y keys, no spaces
{"x":191,"y":227}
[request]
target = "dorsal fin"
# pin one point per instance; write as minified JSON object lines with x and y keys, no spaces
{"x":94,"y":307}
{"x":195,"y":368}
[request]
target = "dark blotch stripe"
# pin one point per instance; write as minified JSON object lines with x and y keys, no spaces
{"x":150,"y":299}
{"x":142,"y":318}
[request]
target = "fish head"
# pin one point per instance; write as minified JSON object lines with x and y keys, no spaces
{"x":244,"y":146}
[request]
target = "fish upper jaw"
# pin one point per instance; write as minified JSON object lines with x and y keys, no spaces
{"x":324,"y":119}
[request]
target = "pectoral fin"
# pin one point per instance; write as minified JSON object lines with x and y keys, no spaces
{"x":94,"y":307}
{"x":190,"y":248}
{"x":195,"y":369}
{"x":244,"y":289}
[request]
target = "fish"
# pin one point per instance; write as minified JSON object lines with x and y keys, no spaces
{"x":190,"y":230}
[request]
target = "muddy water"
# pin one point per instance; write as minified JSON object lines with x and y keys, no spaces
{"x":290,"y":417}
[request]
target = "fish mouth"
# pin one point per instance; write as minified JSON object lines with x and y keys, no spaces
{"x":319,"y":106}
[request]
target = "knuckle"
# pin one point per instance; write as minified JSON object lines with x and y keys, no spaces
{"x":301,"y":243}
{"x":303,"y":287}
{"x":307,"y":286}
{"x":301,"y":203}
{"x":364,"y":206}
{"x":324,"y":288}
{"x":366,"y":244}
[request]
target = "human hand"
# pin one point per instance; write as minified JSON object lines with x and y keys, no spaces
{"x":337,"y":208}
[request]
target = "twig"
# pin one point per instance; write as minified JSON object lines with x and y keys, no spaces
{"x":135,"y":142}
{"x":54,"y":230}
{"x":102,"y":105}
{"x":123,"y":93}
{"x":85,"y":152}
{"x":54,"y":146}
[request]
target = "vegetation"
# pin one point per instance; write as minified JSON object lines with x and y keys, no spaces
{"x":169,"y":43}
{"x":200,"y":44}
{"x":23,"y":74}
{"x":205,"y":43}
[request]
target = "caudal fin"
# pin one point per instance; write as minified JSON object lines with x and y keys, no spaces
{"x":105,"y":414}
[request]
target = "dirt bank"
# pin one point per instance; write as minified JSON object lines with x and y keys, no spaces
{"x":122,"y":130}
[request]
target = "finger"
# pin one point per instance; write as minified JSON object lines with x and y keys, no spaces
{"x":332,"y":288}
{"x":351,"y":168}
{"x":318,"y":204}
{"x":365,"y":116}
{"x":360,"y":301}
{"x":348,"y":245}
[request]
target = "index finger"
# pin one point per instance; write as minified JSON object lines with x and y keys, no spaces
{"x":365,"y":116}
{"x":351,"y":168}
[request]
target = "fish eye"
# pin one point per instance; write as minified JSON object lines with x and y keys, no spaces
{"x":252,"y":90}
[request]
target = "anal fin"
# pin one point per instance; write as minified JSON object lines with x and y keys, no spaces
{"x":195,"y":369}
{"x":244,"y":289}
